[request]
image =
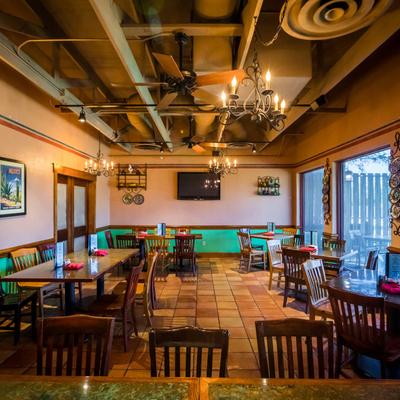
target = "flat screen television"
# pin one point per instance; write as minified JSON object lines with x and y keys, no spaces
{"x":198,"y":186}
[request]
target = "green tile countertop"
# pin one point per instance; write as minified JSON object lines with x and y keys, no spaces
{"x":257,"y":389}
{"x":99,"y":388}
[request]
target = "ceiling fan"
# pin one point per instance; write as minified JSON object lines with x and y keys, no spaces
{"x":188,"y":140}
{"x":181,"y":81}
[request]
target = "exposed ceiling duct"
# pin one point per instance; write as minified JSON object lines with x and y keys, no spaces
{"x":319,"y":20}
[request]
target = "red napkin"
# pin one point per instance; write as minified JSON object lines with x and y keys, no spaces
{"x":74,"y":266}
{"x":310,"y":249}
{"x":268,"y":233}
{"x":100,"y":253}
{"x":390,"y":287}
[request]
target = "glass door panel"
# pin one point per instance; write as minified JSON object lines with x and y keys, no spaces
{"x":80,"y":216}
{"x":365,"y":203}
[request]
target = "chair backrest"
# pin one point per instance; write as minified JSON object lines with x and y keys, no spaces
{"x":372,"y":261}
{"x":294,"y":348}
{"x":274,"y":252}
{"x":244,"y":230}
{"x":359,"y":320}
{"x":109,"y":238}
{"x":131,"y":285}
{"x":337,"y":244}
{"x":244,"y":241}
{"x":299,"y":239}
{"x":47,"y":251}
{"x":155,"y":243}
{"x":184,"y":246}
{"x":126,"y":242}
{"x":25,"y":258}
{"x":194,"y":340}
{"x":314,"y":275}
{"x":327,"y":237}
{"x":292,"y":260}
{"x":289,"y":231}
{"x":149,"y":287}
{"x":84,"y":340}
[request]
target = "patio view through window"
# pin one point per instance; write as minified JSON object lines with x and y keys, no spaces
{"x":365,"y":203}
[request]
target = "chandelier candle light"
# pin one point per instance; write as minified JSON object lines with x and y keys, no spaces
{"x":99,"y":166}
{"x":260,"y":104}
{"x":221,"y":165}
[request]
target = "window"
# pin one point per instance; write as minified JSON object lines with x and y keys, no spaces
{"x":365,"y":203}
{"x":312,"y":214}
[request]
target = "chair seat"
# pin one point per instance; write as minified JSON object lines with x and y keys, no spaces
{"x":12,"y":300}
{"x":278,"y":267}
{"x":33,"y":285}
{"x":324,"y":307}
{"x":257,"y":252}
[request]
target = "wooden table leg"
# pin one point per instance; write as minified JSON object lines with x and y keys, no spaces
{"x":69,"y":298}
{"x":100,"y":287}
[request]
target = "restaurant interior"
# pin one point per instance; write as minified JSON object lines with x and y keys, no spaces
{"x":200,"y":199}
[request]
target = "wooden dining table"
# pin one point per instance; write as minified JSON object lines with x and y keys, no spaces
{"x":94,"y":269}
{"x":25,"y":387}
{"x":277,"y":236}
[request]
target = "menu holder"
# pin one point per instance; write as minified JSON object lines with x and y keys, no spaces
{"x":161,"y":229}
{"x":92,"y":243}
{"x":59,"y":255}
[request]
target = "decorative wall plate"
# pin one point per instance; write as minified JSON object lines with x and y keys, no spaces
{"x":127,"y":198}
{"x":138,"y":199}
{"x":395,"y":211}
{"x":394,"y":166}
{"x":394,"y":195}
{"x":326,"y":192}
{"x":394,"y":181}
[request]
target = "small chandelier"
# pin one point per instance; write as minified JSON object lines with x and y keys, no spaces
{"x":99,"y":165}
{"x":260,"y":104}
{"x":221,"y":165}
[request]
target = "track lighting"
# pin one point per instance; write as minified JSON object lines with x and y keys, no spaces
{"x":82,"y":116}
{"x":254,"y":150}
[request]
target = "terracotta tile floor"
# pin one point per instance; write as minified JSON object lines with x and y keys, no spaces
{"x":219,"y":297}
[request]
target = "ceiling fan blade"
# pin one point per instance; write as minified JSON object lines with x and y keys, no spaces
{"x":167,"y":100}
{"x":216,"y":78}
{"x":198,"y":149}
{"x":121,"y":85}
{"x":205,"y":96}
{"x":169,"y":65}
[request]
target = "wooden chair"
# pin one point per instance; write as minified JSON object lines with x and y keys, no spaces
{"x":289,"y":242}
{"x":286,"y":348}
{"x":109,"y":239}
{"x":299,"y":239}
{"x":194,"y":340}
{"x":160,"y":245}
{"x":274,"y":261}
{"x":13,"y":306}
{"x":121,"y":306}
{"x":127,"y":242}
{"x":146,"y":292}
{"x":183,"y":230}
{"x":248,"y":255}
{"x":184,"y":250}
{"x":47,"y":253}
{"x":372,"y":261}
{"x":29,"y":257}
{"x":337,"y":244}
{"x":81,"y":338}
{"x":314,"y":275}
{"x":327,"y":237}
{"x":360,"y":323}
{"x":292,"y":260}
{"x":254,"y":246}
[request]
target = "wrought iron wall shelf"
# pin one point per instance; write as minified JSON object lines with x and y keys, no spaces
{"x":268,"y":186}
{"x":131,"y":177}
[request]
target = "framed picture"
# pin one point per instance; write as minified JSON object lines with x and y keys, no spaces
{"x":12,"y":187}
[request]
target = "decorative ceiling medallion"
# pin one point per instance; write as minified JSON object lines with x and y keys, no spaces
{"x":320,"y":20}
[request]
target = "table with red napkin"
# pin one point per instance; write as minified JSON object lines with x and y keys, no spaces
{"x":308,"y":249}
{"x":100,"y":253}
{"x":390,"y":287}
{"x":74,"y":266}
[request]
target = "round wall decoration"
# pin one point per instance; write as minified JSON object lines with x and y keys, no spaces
{"x":127,"y":198}
{"x":138,"y":199}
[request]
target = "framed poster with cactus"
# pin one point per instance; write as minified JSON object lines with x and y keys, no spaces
{"x":12,"y":187}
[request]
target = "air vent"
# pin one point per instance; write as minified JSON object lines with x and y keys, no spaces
{"x":319,"y":19}
{"x":147,"y":146}
{"x":239,"y":145}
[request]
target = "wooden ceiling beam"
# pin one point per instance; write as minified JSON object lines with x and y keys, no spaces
{"x":54,"y":30}
{"x":27,"y":67}
{"x":134,"y":30}
{"x":18,"y":25}
{"x":109,"y":15}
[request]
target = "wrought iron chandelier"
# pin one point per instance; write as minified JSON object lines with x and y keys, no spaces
{"x":261,"y":104}
{"x":221,"y":165}
{"x":99,"y":165}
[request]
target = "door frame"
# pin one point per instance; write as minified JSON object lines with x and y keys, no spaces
{"x":70,"y":173}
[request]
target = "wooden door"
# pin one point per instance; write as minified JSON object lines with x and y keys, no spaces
{"x":74,"y":207}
